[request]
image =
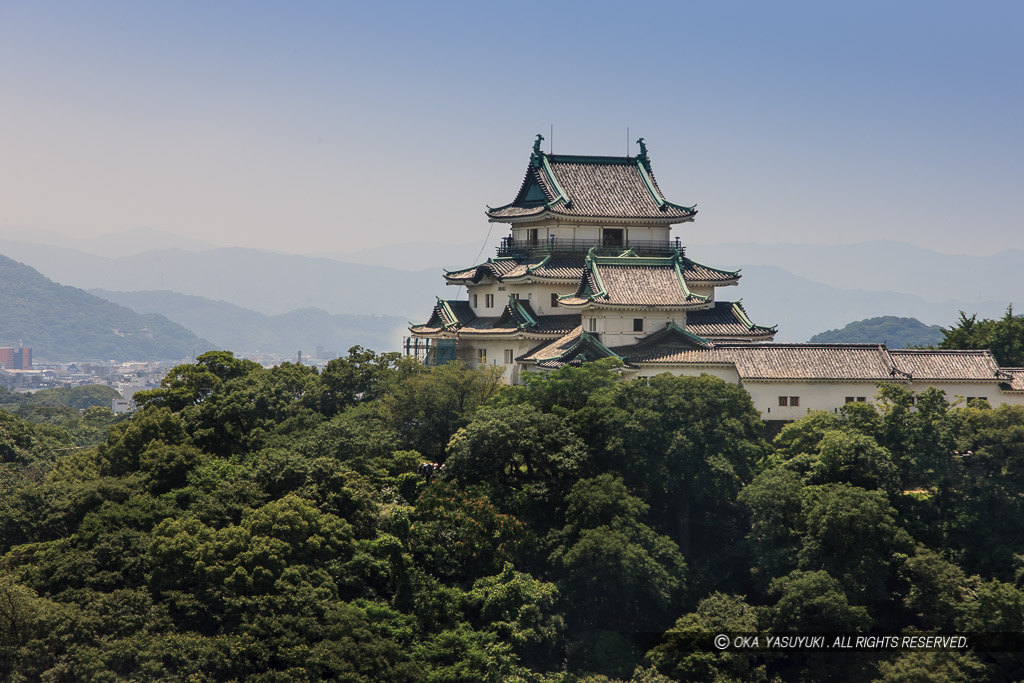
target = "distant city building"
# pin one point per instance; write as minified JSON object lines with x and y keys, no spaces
{"x":120,"y":405}
{"x":590,"y":270}
{"x":16,"y":358}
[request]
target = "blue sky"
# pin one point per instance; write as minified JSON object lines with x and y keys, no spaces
{"x":332,"y":126}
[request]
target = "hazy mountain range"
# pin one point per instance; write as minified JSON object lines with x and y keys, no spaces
{"x":804,"y":289}
{"x":64,"y":323}
{"x":245,"y":331}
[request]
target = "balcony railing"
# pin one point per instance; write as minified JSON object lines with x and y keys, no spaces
{"x":510,"y":247}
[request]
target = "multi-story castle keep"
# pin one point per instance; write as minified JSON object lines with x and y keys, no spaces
{"x":590,"y":269}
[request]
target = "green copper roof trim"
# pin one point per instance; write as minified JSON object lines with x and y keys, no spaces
{"x":530,"y":269}
{"x":562,"y":196}
{"x":447,"y":308}
{"x":589,"y":265}
{"x":585,"y":338}
{"x":733,"y":273}
{"x":682,"y":280}
{"x":659,"y":200}
{"x":517,"y":307}
{"x":633,"y":260}
{"x":686,"y":333}
{"x":592,"y":339}
{"x":590,"y":160}
{"x":737,"y":306}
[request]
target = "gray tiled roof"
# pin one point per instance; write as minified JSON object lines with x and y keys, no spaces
{"x":630,"y":280}
{"x":603,"y":187}
{"x":780,"y":361}
{"x":448,"y":315}
{"x":863,"y":362}
{"x":495,"y":267}
{"x":1016,"y":377}
{"x":546,"y":324}
{"x":699,"y":273}
{"x":560,"y":268}
{"x":932,"y":365}
{"x":726,"y":319}
{"x":810,"y":361}
{"x":574,"y":348}
{"x":552,"y":349}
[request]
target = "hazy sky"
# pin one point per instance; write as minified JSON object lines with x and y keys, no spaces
{"x":334,"y":126}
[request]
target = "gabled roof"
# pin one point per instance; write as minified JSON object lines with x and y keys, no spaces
{"x":494,"y":267}
{"x":726,"y":319}
{"x":589,"y":186}
{"x":448,"y":315}
{"x":699,"y":273}
{"x":574,"y":348}
{"x":502,"y":269}
{"x":671,"y":338}
{"x":629,"y":280}
{"x":517,"y":318}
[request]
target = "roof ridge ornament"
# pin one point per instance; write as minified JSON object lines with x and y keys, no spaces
{"x":643,"y":153}
{"x":537,"y":153}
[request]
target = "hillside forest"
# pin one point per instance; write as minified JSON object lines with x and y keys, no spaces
{"x":251,"y":524}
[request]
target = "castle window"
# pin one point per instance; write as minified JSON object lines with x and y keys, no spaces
{"x":592,"y":324}
{"x":862,"y":399}
{"x":611,"y":237}
{"x":476,"y":304}
{"x":481,"y":356}
{"x":508,"y":356}
{"x":850,"y":399}
{"x":554,"y":299}
{"x":783,"y":400}
{"x":638,"y":324}
{"x":794,"y":401}
{"x":489,"y":300}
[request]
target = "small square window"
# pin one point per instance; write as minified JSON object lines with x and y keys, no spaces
{"x":554,"y":299}
{"x":850,"y":399}
{"x":862,"y":399}
{"x":783,"y":400}
{"x":638,"y":324}
{"x":794,"y":400}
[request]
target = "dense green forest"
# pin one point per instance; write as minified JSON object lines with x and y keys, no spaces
{"x":251,"y":524}
{"x":895,"y":332}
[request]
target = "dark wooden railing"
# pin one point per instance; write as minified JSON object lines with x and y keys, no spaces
{"x":510,"y":247}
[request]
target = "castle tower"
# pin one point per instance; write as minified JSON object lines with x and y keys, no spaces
{"x":589,"y":265}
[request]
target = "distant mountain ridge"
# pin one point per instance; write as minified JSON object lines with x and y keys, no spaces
{"x":268,"y":282}
{"x":64,"y":323}
{"x":242,"y":330}
{"x":803,"y":288}
{"x":896,"y":333}
{"x":884,"y":266}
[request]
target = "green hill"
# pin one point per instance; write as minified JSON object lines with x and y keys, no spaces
{"x":243,"y":330}
{"x":65,"y":323}
{"x":896,"y":333}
